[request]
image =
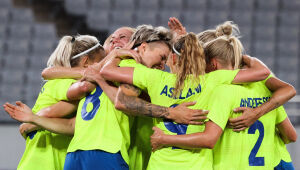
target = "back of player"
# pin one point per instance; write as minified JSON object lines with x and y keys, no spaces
{"x":43,"y":147}
{"x":252,"y":148}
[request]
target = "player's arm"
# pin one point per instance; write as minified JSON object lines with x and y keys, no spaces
{"x":282,"y":92}
{"x":79,"y":90}
{"x":62,"y":72}
{"x":128,"y":102}
{"x":255,"y":71}
{"x":287,"y":131}
{"x":23,"y":113}
{"x":111,"y":70}
{"x":206,"y":139}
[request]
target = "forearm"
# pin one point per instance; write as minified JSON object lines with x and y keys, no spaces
{"x":135,"y":106}
{"x":112,"y":72}
{"x":189,"y":141}
{"x":282,"y":92}
{"x":257,"y":71}
{"x":62,"y":72}
{"x":60,"y":109}
{"x":55,"y":125}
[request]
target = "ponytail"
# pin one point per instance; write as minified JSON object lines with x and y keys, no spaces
{"x":191,"y":60}
{"x":62,"y":53}
{"x":70,"y":50}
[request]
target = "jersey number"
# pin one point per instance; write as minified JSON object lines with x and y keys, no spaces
{"x":179,"y":129}
{"x":94,"y":99}
{"x":253,"y":160}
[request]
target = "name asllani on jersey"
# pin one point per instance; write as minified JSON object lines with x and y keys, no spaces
{"x":168,"y":91}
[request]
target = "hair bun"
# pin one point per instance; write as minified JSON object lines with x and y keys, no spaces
{"x":225,"y":28}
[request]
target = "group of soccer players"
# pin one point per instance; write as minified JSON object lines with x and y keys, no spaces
{"x":115,"y":107}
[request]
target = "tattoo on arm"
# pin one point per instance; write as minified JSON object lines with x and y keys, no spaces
{"x":138,"y":107}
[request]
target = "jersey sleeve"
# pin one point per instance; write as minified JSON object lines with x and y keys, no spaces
{"x":281,"y":115}
{"x":265,"y":80}
{"x":144,"y":77}
{"x":221,"y":105}
{"x":130,"y":63}
{"x":62,"y":87}
{"x":226,"y":76}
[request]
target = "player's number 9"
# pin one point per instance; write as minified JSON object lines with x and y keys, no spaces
{"x":179,"y":129}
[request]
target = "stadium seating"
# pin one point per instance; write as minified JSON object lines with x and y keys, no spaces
{"x":269,"y":31}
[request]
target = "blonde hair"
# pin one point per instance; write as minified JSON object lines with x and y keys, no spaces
{"x":148,"y":33}
{"x":70,"y":46}
{"x":226,"y":49}
{"x":191,"y":60}
{"x":227,"y":28}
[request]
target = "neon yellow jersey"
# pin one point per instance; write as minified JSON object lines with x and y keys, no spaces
{"x":99,"y":126}
{"x":252,"y":148}
{"x":46,"y":150}
{"x":160,"y":87}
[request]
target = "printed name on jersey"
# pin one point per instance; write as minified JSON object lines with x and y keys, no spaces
{"x":253,"y":102}
{"x":168,"y":91}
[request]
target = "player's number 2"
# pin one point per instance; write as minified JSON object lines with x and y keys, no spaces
{"x":253,"y":160}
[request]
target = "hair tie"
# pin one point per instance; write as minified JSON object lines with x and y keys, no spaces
{"x":73,"y":39}
{"x":175,"y":50}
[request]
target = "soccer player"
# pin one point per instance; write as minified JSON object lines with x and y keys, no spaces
{"x":247,"y":149}
{"x":46,"y":150}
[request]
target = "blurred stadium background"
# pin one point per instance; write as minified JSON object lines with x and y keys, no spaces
{"x":30,"y":30}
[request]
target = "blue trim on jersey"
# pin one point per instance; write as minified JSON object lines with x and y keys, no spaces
{"x":284,"y":166}
{"x":31,"y":134}
{"x":94,"y":159}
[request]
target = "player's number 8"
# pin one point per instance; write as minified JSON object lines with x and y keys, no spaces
{"x":94,"y":99}
{"x":253,"y":160}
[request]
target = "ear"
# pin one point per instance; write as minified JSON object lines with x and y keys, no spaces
{"x":214,"y":63}
{"x":142,"y":48}
{"x":85,"y":61}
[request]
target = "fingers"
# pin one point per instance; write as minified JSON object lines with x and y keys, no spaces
{"x":239,"y":109}
{"x":239,"y":129}
{"x":154,"y":128}
{"x":196,"y":123}
{"x":235,"y":121}
{"x":189,"y":103}
{"x":19,"y":103}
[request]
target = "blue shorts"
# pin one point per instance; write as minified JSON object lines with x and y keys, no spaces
{"x":284,"y":166}
{"x":94,"y":159}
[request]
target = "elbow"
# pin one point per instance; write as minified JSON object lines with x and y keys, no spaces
{"x":118,"y":104}
{"x":292,"y":91}
{"x":44,"y":73}
{"x":293,"y":138}
{"x":211,"y":142}
{"x":265,"y":73}
{"x":84,"y":87}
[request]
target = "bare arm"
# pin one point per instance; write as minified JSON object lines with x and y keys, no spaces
{"x":23,"y":113}
{"x":287,"y":131}
{"x":62,"y":72}
{"x":127,"y":101}
{"x":60,"y":109}
{"x":79,"y":90}
{"x":256,"y":71}
{"x":206,"y":139}
{"x":112,"y":72}
{"x":282,"y":93}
